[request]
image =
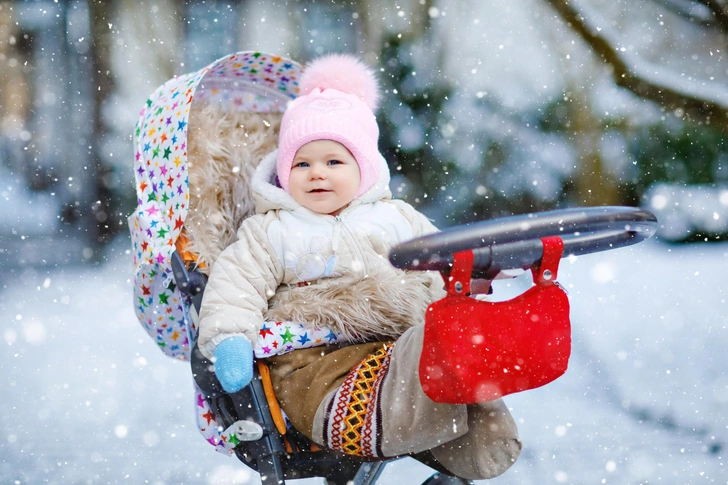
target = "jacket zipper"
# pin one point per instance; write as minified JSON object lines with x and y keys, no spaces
{"x":339,"y":224}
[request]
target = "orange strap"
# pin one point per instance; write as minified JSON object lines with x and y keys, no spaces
{"x":275,"y":408}
{"x":181,"y":246}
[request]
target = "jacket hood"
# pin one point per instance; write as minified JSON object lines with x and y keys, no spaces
{"x":270,"y":196}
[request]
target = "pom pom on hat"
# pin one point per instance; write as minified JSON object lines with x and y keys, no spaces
{"x":344,"y":73}
{"x":339,"y":95}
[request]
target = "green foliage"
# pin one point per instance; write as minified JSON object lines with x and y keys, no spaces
{"x":681,"y":153}
{"x":486,"y":201}
{"x":554,"y":117}
{"x":434,"y":179}
{"x":418,"y":107}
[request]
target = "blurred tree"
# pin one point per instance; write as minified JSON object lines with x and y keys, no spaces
{"x":137,"y":47}
{"x":380,"y":20}
{"x":14,"y":96}
{"x":671,"y":53}
{"x":679,"y":153}
{"x":46,"y":133}
{"x":108,"y":201}
{"x":701,"y":97}
{"x":411,"y":123}
{"x":594,"y":184}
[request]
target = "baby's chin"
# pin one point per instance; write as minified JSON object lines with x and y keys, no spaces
{"x":328,"y":210}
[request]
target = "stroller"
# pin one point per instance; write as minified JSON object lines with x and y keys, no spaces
{"x":197,"y":142}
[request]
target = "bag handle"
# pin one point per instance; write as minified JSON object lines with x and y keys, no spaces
{"x":457,"y":280}
{"x":547,"y":270}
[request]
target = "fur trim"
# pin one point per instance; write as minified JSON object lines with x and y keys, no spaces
{"x":345,"y":73}
{"x":379,"y":306}
{"x":269,"y":195}
{"x":224,"y":147}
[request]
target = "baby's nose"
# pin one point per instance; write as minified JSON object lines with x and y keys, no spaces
{"x":316,"y":172}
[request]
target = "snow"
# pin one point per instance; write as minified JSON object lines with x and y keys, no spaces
{"x":21,"y":210}
{"x":87,"y":398}
{"x":686,"y":209}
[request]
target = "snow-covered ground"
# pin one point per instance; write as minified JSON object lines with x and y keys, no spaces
{"x":87,"y":398}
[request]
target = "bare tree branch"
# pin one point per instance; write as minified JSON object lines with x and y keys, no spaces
{"x":693,"y":10}
{"x":719,"y":8}
{"x":700,"y":101}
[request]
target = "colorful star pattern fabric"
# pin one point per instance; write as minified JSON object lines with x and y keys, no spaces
{"x":209,"y":427}
{"x":276,"y":338}
{"x":251,"y":81}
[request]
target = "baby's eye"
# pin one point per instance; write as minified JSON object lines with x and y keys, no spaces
{"x":301,"y":165}
{"x":334,"y":162}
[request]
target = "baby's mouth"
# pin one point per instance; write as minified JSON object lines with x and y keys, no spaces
{"x":316,"y":191}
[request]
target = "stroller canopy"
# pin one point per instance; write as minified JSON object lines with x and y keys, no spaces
{"x":248,"y":81}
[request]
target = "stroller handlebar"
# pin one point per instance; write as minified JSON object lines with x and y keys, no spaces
{"x":515,"y":242}
{"x":498,"y":244}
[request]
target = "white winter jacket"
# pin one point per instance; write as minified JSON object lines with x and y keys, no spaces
{"x":292,"y":264}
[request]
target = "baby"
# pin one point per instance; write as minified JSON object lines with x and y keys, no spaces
{"x":316,"y":253}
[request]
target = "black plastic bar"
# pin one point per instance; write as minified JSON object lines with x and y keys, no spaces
{"x":369,"y":473}
{"x":267,"y":455}
{"x":514,"y":242}
{"x":190,"y":282}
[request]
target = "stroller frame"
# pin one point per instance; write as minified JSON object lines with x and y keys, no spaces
{"x":248,"y":82}
{"x":260,"y":82}
{"x":508,"y":246}
{"x":269,"y":455}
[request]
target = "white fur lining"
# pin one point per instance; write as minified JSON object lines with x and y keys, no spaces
{"x":264,"y":185}
{"x":224,"y":148}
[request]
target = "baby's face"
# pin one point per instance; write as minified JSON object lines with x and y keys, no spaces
{"x":324,"y":176}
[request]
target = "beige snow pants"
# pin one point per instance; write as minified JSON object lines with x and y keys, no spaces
{"x":366,"y":400}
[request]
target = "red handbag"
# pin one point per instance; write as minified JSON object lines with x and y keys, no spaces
{"x":476,"y":351}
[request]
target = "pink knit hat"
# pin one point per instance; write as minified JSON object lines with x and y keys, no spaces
{"x":339,"y":95}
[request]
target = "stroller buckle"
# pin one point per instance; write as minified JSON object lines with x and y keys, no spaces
{"x":248,"y":431}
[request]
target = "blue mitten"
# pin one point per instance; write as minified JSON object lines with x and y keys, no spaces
{"x":234,"y":363}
